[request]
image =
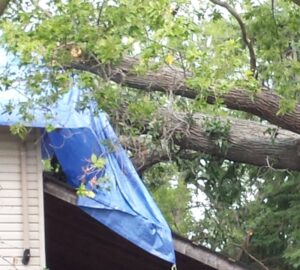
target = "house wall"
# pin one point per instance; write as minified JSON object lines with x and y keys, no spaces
{"x":21,"y":202}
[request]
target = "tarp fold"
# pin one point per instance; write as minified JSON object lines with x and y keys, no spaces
{"x":120,"y":201}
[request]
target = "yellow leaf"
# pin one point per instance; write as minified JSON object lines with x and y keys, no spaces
{"x":169,"y":59}
{"x":90,"y":194}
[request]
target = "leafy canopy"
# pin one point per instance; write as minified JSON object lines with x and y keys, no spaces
{"x":54,"y":45}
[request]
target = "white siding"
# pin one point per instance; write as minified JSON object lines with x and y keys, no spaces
{"x":11,"y":202}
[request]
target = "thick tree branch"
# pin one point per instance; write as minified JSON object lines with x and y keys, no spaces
{"x":245,"y":37}
{"x":3,"y":5}
{"x":264,"y":104}
{"x":145,"y":157}
{"x":297,"y":2}
{"x":247,"y":142}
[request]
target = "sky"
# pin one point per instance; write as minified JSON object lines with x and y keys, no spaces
{"x":3,"y":57}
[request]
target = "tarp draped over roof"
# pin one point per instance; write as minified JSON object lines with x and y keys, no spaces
{"x":122,"y":202}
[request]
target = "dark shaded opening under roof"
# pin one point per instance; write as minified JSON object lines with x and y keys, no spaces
{"x":74,"y":241}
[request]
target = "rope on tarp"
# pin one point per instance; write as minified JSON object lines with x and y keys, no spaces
{"x":174,"y":267}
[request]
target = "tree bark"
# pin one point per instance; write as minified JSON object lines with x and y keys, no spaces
{"x":248,"y":142}
{"x":297,"y":2}
{"x":3,"y":5}
{"x":265,"y":104}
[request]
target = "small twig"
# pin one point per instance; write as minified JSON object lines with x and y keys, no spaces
{"x":100,"y":65}
{"x":175,"y":219}
{"x":276,"y":27}
{"x":100,"y":11}
{"x":273,"y":9}
{"x":269,"y":166}
{"x":246,"y":39}
{"x":182,"y":65}
{"x":35,"y":3}
{"x":252,"y":257}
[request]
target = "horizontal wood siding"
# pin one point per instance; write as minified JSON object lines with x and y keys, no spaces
{"x":11,"y":206}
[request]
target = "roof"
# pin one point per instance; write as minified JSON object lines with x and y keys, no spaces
{"x":62,"y":212}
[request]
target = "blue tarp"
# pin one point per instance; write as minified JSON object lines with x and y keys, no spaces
{"x":121,"y":202}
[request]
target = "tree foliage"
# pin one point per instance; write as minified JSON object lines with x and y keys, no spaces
{"x":204,"y":96}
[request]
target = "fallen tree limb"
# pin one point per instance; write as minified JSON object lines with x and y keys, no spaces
{"x":265,"y":104}
{"x":145,"y":157}
{"x":247,"y":142}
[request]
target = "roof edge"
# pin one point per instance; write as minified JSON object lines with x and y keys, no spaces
{"x":182,"y":245}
